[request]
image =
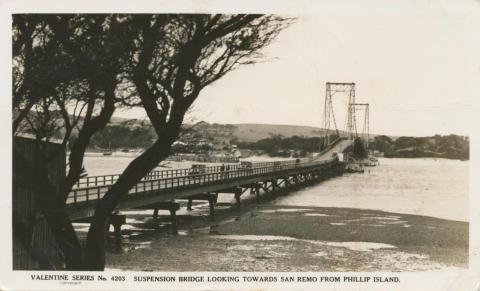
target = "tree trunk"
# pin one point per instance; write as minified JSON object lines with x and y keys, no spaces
{"x":136,"y":170}
{"x":51,"y":204}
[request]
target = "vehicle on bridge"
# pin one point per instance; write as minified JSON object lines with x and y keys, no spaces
{"x":371,"y":162}
{"x":247,"y":166}
{"x":277,"y":165}
{"x":197,"y":169}
{"x":338,"y":156}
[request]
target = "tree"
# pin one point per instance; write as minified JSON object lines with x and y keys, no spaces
{"x":65,"y":71}
{"x":158,"y":62}
{"x":177,"y":58}
{"x":383,"y":143}
{"x":359,"y":150}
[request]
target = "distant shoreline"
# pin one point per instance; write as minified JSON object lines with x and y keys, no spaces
{"x":424,"y":154}
{"x":408,"y":155}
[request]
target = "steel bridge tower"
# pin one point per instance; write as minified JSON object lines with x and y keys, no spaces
{"x":331,"y":89}
{"x":366,"y":120}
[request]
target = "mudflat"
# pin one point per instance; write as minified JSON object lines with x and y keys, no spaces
{"x":277,"y":238}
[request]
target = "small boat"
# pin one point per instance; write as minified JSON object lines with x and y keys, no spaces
{"x":370,"y":162}
{"x":354,"y":168}
{"x":108,"y":152}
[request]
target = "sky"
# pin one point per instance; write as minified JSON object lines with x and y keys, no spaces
{"x":414,"y":62}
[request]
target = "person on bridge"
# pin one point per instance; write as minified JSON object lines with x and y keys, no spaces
{"x":222,"y":169}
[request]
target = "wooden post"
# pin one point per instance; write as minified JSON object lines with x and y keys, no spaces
{"x":189,"y":204}
{"x":295,"y":180}
{"x":173,"y":216}
{"x":211,"y":204}
{"x":155,"y":213}
{"x":257,"y":193}
{"x":274,"y":186}
{"x":238,"y":192}
{"x":265,"y":186}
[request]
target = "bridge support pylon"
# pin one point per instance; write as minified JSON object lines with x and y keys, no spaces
{"x":237,"y":192}
{"x":171,"y":206}
{"x":273,"y":182}
{"x":210,"y":197}
{"x":254,"y":189}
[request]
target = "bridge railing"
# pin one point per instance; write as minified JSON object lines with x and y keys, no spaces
{"x":103,"y":180}
{"x":96,"y":192}
{"x":111,"y":179}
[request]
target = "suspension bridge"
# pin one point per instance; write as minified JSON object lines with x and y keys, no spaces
{"x":160,"y":190}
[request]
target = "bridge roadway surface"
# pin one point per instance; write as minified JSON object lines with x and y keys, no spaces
{"x":338,"y":147}
{"x":166,"y":185}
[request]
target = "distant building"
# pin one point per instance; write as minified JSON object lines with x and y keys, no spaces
{"x":236,"y":153}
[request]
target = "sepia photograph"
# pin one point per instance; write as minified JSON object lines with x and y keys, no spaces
{"x":236,"y":149}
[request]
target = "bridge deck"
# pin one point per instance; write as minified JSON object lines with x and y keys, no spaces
{"x":170,"y":184}
{"x":81,"y":201}
{"x":338,"y":147}
{"x":101,"y":180}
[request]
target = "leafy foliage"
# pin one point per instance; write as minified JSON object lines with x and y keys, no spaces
{"x":71,"y":72}
{"x":448,"y":146}
{"x":284,"y":146}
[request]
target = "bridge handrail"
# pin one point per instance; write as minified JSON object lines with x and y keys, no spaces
{"x":96,"y":192}
{"x":103,"y":180}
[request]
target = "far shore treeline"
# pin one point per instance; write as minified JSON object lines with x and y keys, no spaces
{"x":273,"y":140}
{"x":437,"y":146}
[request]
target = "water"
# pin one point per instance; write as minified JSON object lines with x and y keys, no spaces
{"x":431,"y":187}
{"x":98,"y":164}
{"x":354,"y":246}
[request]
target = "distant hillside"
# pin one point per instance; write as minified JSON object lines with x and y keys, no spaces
{"x":251,"y":132}
{"x":134,"y":133}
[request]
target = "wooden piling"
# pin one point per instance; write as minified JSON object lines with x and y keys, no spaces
{"x":238,"y":193}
